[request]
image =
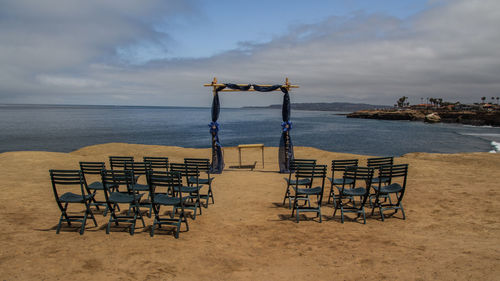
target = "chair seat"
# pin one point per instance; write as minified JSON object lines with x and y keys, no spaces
{"x":96,"y":186}
{"x":192,"y":180}
{"x":189,"y":189}
{"x":141,"y":187}
{"x":308,"y":191}
{"x":121,"y":197}
{"x":392,"y":188}
{"x":70,"y":197}
{"x":358,"y":191}
{"x":300,"y":182}
{"x":340,"y":181}
{"x":164,"y":199}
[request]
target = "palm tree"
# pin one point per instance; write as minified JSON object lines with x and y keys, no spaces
{"x":498,"y":98}
{"x":483,"y":99}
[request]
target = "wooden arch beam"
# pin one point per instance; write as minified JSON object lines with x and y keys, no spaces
{"x":215,"y":85}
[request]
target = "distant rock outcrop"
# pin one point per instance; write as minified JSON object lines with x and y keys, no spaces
{"x":432,"y":118}
{"x":476,"y":118}
{"x":412,"y":115}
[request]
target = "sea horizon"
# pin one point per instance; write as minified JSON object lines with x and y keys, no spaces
{"x":65,"y":128}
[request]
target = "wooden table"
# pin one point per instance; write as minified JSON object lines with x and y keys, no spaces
{"x":261,"y":145}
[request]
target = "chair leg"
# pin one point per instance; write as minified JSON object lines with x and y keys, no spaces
{"x":183,"y":216}
{"x":341,"y":213}
{"x":330,"y":195}
{"x":152,"y":233}
{"x":402,"y":210}
{"x":84,"y":221}
{"x":59,"y":224}
{"x":364,"y":216}
{"x":293,"y":205}
{"x":211,"y":193}
{"x":287,"y":195}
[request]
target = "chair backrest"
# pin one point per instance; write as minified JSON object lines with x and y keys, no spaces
{"x":92,"y":168}
{"x":118,"y":162}
{"x":340,"y":165}
{"x":301,"y":162}
{"x":139,"y":168}
{"x":158,"y":163}
{"x":393,"y":172}
{"x":379,"y":161}
{"x":185,"y":170}
{"x":67,"y":177}
{"x":170,"y":180}
{"x":202,"y":163}
{"x":312,"y":172}
{"x":118,"y":178}
{"x":356,"y":173}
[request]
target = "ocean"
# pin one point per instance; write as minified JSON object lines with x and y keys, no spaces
{"x":64,"y":128}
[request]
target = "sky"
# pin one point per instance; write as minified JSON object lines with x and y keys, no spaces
{"x":161,"y":52}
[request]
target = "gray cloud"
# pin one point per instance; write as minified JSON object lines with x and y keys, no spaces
{"x":68,"y":55}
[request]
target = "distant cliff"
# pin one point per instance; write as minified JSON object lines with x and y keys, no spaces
{"x":331,"y":106}
{"x":477,"y":118}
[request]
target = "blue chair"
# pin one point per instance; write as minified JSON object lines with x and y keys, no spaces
{"x":76,"y":193}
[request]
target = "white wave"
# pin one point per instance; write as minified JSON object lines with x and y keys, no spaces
{"x":496,"y":147}
{"x":479,"y":126}
{"x":480,"y":134}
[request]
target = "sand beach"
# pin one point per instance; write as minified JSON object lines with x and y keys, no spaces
{"x":452,"y":229}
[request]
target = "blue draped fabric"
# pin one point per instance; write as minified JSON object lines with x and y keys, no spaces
{"x":266,"y":89}
{"x":237,"y":87}
{"x":217,"y":156}
{"x":285,"y":153}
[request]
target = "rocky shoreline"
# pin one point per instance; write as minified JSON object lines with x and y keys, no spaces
{"x":476,"y":118}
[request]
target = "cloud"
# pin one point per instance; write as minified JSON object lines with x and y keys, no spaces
{"x":68,"y":54}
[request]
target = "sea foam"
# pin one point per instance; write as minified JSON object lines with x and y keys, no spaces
{"x":496,"y":147}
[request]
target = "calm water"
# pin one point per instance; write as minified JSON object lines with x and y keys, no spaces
{"x":67,"y":128}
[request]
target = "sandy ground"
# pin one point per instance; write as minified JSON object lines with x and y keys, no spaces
{"x":452,"y":230}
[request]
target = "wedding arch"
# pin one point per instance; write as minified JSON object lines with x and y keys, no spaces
{"x":285,"y":152}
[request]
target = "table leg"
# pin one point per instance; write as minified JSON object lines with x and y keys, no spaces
{"x":239,"y":153}
{"x":262,"y":157}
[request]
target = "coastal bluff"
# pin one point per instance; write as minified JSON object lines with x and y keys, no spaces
{"x":476,"y":118}
{"x":248,"y":234}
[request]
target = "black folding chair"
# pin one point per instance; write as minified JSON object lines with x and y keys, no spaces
{"x":378,"y":162}
{"x":339,"y":166}
{"x":353,"y":176}
{"x":291,"y":181}
{"x":193,"y":201}
{"x":68,"y":180}
{"x":392,"y":173}
{"x":203,"y":166}
{"x":113,"y":198}
{"x":140,"y":168}
{"x":92,"y":169}
{"x":309,"y":172}
{"x":171,"y":181}
{"x":158,"y":163}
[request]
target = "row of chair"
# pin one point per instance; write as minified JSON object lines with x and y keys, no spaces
{"x":124,"y":172}
{"x":391,"y":180}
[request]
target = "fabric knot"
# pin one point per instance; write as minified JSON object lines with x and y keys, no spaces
{"x":214,"y":127}
{"x":287,"y":126}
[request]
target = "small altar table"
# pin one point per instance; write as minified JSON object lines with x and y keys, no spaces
{"x":259,"y":145}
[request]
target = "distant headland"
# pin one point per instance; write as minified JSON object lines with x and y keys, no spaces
{"x":328,"y":106}
{"x":434,"y":111}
